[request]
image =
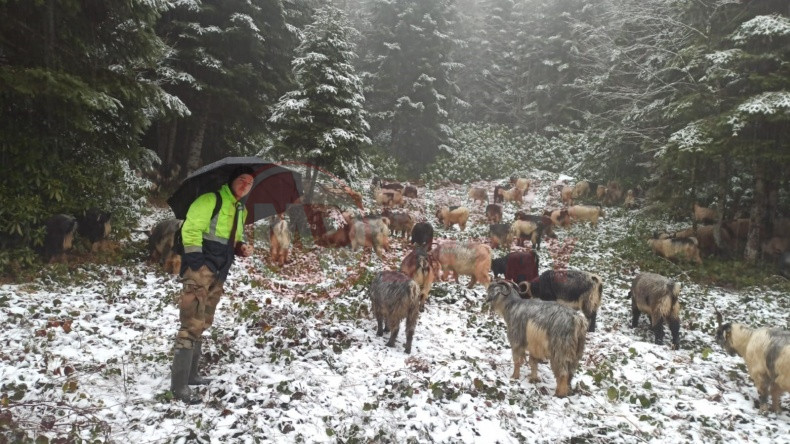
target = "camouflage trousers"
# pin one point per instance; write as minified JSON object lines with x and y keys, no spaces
{"x":196,"y":304}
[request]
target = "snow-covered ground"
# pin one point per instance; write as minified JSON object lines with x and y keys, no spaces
{"x":295,"y":356}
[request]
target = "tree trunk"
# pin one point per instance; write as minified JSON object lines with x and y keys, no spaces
{"x":757,"y":215}
{"x":693,"y":191}
{"x":771,"y":205}
{"x":49,"y":47}
{"x":171,"y":141}
{"x":312,"y":178}
{"x":724,"y":179}
{"x":196,"y":146}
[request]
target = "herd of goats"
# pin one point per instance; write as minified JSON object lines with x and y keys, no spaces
{"x":547,"y":314}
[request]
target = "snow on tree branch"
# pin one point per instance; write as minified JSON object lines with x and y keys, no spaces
{"x":773,"y":25}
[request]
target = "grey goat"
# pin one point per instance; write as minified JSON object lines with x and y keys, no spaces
{"x":395,"y":296}
{"x":657,"y":296}
{"x":548,"y":330}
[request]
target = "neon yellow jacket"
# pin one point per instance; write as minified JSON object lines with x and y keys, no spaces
{"x":205,"y":238}
{"x":199,"y":225}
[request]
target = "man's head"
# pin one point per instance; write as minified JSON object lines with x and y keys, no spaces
{"x":240,"y":181}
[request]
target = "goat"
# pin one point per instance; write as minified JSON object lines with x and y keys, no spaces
{"x":59,"y":238}
{"x":614,"y":193}
{"x":704,"y":234}
{"x":600,"y":192}
{"x":279,"y":241}
{"x":630,"y":200}
{"x":522,"y":229}
{"x":501,"y":235}
{"x":684,"y":249}
{"x":581,"y":189}
{"x":94,"y":225}
{"x":449,"y":216}
{"x":371,"y":231}
{"x":518,"y":266}
{"x":511,"y":195}
{"x":566,"y":195}
{"x":477,"y":193}
{"x":422,"y":235}
{"x":494,"y":213}
{"x":423,"y":268}
{"x":657,"y":297}
{"x":395,"y":296}
{"x":704,"y":215}
{"x":521,"y":183}
{"x":559,"y":217}
{"x":586,"y":212}
{"x":547,"y":330}
{"x":160,"y":245}
{"x":576,"y":289}
{"x":401,"y":223}
{"x":468,"y":258}
{"x":544,"y":223}
{"x":767,"y":355}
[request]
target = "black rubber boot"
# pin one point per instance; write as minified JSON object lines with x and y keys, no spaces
{"x":182,"y":360}
{"x":194,"y":378}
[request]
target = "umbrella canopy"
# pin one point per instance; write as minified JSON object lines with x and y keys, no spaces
{"x":273,"y":189}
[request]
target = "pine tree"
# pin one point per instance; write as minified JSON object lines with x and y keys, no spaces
{"x":491,"y":78}
{"x":229,"y":65}
{"x":76,"y":92}
{"x":323,"y":122}
{"x":408,"y":58}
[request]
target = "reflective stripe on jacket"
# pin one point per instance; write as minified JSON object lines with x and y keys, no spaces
{"x":199,"y":225}
{"x":203,"y":234}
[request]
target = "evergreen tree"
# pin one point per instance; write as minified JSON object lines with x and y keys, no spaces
{"x":491,"y":79}
{"x":230,"y":63}
{"x":323,"y":122}
{"x":409,"y":64}
{"x":746,"y":125}
{"x":75,"y":95}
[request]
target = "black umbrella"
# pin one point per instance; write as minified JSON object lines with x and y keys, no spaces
{"x":273,"y":189}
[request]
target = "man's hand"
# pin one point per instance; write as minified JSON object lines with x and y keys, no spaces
{"x":245,"y":250}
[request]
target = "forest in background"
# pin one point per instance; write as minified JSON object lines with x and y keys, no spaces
{"x":690,"y":100}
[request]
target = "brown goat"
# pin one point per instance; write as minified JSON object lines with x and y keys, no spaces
{"x":279,"y":241}
{"x":423,"y":268}
{"x":371,"y":232}
{"x":511,"y":195}
{"x":477,"y":193}
{"x":705,"y":215}
{"x":586,"y":212}
{"x":581,"y":189}
{"x":683,"y":249}
{"x":494,"y":213}
{"x":468,"y":258}
{"x":614,"y":193}
{"x":449,"y":217}
{"x":630,"y":200}
{"x":566,"y":195}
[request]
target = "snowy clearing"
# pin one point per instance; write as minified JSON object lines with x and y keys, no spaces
{"x":295,"y":357}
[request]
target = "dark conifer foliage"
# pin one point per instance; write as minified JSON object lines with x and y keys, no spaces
{"x":229,"y":64}
{"x":75,"y":94}
{"x":408,"y":58}
{"x":323,"y":122}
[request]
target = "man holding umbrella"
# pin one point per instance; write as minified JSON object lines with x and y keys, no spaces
{"x":212,"y":234}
